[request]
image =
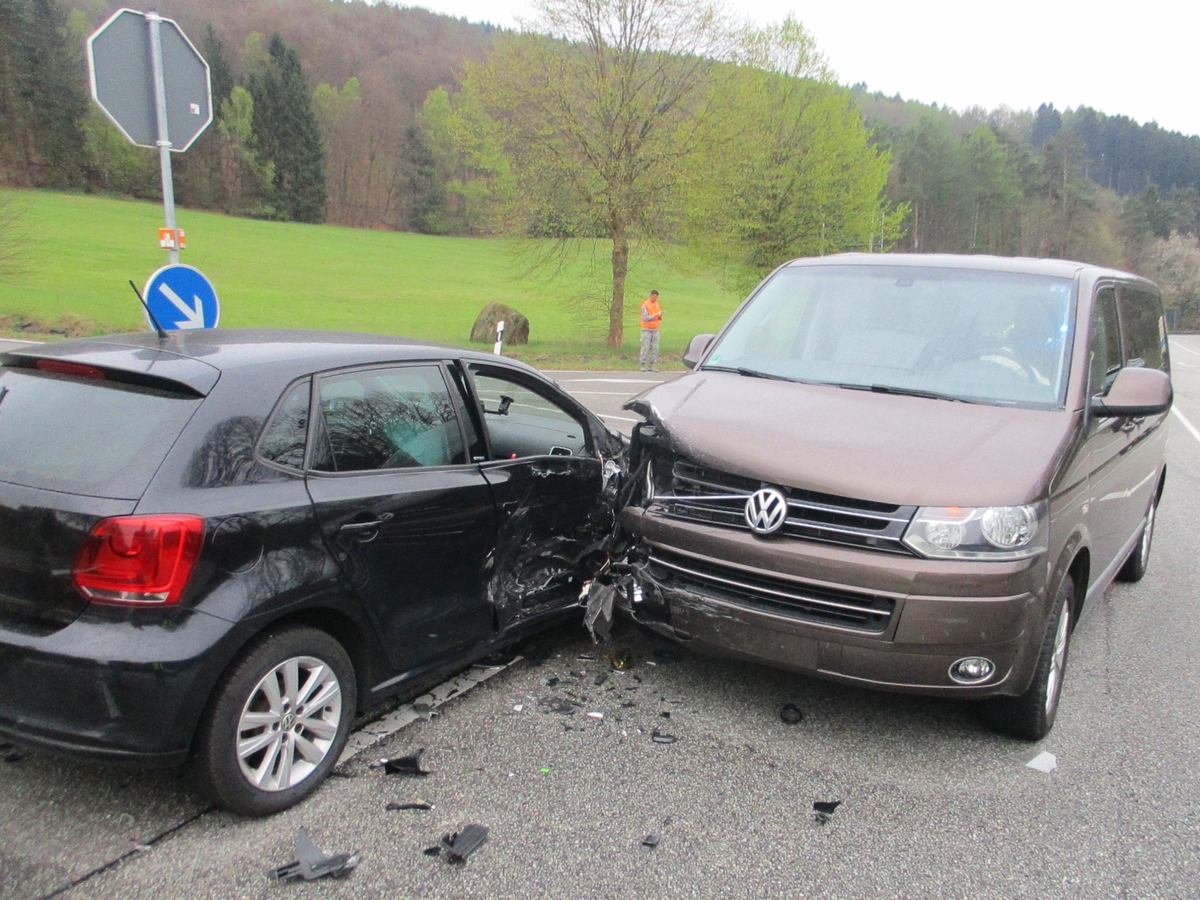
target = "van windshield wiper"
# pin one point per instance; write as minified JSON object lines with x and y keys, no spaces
{"x":904,"y":392}
{"x":749,"y":373}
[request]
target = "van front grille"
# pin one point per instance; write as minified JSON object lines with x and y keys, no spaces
{"x":718,"y":498}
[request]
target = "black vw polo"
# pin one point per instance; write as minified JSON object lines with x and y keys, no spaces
{"x":217,"y":547}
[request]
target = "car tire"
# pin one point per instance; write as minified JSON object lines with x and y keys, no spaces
{"x":1135,"y":567}
{"x":1031,"y":715}
{"x":264,"y":744}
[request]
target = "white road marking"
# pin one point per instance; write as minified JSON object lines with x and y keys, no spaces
{"x":1186,"y":424}
{"x":1178,"y":346}
{"x":600,"y":393}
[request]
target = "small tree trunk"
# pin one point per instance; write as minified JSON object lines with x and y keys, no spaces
{"x":616,"y":307}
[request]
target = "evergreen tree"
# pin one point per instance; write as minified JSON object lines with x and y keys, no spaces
{"x":430,"y":209}
{"x":42,"y":102}
{"x":287,"y":134}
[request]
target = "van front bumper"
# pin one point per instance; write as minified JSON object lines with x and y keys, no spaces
{"x":879,"y":620}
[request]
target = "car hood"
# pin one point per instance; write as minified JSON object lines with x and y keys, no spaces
{"x":860,"y":444}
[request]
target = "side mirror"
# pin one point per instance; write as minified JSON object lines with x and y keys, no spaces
{"x":1135,"y":392}
{"x":696,"y":350}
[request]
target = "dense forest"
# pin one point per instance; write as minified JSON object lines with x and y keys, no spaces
{"x":379,"y":116}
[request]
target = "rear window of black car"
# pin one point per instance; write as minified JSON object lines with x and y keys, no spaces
{"x":85,"y":435}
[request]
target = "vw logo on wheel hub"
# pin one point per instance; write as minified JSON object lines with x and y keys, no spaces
{"x":766,"y":511}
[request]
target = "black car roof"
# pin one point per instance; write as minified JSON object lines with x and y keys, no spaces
{"x":197,"y":358}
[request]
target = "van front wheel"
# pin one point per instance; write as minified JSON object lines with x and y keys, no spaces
{"x":1135,"y":567}
{"x":1031,"y":716}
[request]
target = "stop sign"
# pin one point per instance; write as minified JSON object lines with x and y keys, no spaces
{"x":120,"y":63}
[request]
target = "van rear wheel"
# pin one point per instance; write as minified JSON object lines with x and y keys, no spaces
{"x":1031,"y":716}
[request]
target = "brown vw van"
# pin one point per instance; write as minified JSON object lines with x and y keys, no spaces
{"x":909,"y":473}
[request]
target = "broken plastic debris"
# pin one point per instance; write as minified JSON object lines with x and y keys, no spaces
{"x":1043,"y":762}
{"x":650,"y":841}
{"x":402,"y":765}
{"x":419,"y":804}
{"x":560,"y":705}
{"x":791,"y":714}
{"x":661,"y":737}
{"x":823,"y":810}
{"x":595,"y":715}
{"x":461,"y":844}
{"x":311,"y":862}
{"x":599,"y":614}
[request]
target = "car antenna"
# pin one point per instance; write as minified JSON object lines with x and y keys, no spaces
{"x":161,"y":331}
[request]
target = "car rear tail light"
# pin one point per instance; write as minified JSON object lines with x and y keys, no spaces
{"x":139,"y":559}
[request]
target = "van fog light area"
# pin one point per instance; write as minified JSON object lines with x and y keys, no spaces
{"x":972,"y":670}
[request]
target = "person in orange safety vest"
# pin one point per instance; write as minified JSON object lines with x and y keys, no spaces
{"x":651,"y":316}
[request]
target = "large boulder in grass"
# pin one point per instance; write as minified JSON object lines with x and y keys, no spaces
{"x":516,"y":326}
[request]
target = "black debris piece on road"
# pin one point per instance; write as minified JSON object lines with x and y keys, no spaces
{"x":402,"y":765}
{"x":791,"y":714}
{"x":661,"y":737}
{"x":650,"y":841}
{"x":419,"y":804}
{"x":312,"y":863}
{"x":823,"y":810}
{"x":560,"y":705}
{"x":461,"y":844}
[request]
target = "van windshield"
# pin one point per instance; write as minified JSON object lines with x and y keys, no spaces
{"x":978,"y":336}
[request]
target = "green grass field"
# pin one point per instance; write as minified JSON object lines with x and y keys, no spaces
{"x":69,"y":259}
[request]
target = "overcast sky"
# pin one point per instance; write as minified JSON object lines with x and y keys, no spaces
{"x":1139,"y":59}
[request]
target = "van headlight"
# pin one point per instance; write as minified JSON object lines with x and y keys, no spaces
{"x":988,"y":532}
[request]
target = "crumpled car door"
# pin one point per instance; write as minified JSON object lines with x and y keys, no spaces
{"x":553,"y":490}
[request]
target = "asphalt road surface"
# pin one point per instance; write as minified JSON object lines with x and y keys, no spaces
{"x":557,"y":755}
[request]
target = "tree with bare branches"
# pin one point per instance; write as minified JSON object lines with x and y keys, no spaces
{"x":595,"y":114}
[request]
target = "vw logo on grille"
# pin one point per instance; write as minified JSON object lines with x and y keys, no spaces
{"x":766,"y":511}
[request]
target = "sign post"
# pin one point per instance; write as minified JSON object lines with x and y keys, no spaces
{"x":154,"y":85}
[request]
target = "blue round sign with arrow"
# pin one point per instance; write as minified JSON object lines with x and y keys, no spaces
{"x":178,"y":297}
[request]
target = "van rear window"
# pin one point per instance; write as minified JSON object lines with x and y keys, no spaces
{"x":85,"y":435}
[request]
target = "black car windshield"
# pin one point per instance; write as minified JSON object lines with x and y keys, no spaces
{"x":85,"y":435}
{"x":984,"y":336}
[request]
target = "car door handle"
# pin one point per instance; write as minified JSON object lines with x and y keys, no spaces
{"x":365,"y":532}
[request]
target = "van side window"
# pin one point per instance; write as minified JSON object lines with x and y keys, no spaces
{"x":1145,"y":330}
{"x":1106,"y":341}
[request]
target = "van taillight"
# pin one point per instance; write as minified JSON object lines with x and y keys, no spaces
{"x":139,"y":559}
